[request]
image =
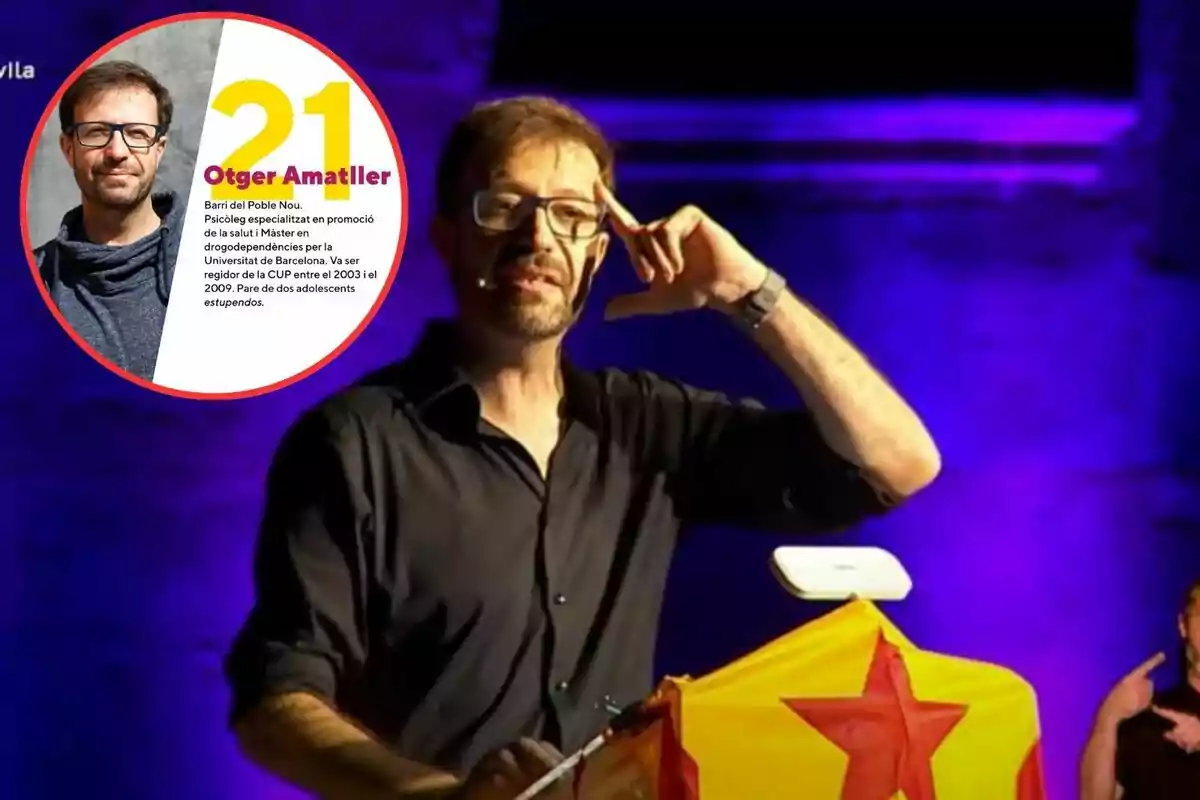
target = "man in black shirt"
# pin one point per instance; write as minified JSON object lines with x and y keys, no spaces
{"x":1145,"y":744}
{"x":461,"y":561}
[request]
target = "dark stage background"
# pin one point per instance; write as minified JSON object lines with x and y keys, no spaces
{"x":969,"y":194}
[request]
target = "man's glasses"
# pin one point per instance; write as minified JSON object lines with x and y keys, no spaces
{"x":569,"y":217}
{"x":139,"y":136}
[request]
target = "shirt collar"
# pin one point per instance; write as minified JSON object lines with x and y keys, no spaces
{"x":433,"y":379}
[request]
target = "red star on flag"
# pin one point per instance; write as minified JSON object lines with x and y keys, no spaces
{"x":889,"y":735}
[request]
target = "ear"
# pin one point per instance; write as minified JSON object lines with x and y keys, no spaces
{"x":598,"y":250}
{"x":1182,"y":626}
{"x":64,"y":145}
{"x":159,"y":148}
{"x":442,"y":237}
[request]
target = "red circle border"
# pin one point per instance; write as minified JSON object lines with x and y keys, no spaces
{"x":24,"y":200}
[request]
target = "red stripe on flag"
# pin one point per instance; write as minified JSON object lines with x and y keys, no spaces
{"x":1031,"y":778}
{"x":678,"y":772}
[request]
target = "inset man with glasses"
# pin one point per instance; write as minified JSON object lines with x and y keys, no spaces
{"x":109,"y":270}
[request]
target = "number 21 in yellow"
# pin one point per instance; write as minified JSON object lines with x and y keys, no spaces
{"x":332,"y":103}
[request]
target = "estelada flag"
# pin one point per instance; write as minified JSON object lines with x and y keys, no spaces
{"x":843,"y":708}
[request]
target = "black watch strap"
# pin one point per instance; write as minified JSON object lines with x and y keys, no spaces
{"x":754,"y":307}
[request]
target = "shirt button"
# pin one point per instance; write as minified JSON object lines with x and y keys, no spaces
{"x":562,"y":686}
{"x":560,"y":599}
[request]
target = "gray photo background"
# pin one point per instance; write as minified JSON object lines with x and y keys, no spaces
{"x":182,"y":56}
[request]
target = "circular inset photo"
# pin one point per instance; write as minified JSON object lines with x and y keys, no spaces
{"x":214,"y":205}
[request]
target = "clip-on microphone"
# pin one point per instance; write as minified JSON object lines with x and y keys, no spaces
{"x":487,"y":280}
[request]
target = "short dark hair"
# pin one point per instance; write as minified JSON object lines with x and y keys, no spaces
{"x":114,"y":75}
{"x":1191,"y":598}
{"x":491,"y":130}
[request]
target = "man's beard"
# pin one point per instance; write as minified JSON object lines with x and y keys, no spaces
{"x":541,"y":314}
{"x":118,"y":199}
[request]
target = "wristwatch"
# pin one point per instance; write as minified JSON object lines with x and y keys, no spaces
{"x":752,"y":309}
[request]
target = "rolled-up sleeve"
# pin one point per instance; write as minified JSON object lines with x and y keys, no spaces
{"x":312,"y":575}
{"x":737,"y":463}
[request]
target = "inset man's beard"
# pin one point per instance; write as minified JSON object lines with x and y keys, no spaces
{"x":118,"y":202}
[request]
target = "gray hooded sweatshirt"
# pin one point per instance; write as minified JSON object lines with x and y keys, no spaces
{"x":115,"y":297}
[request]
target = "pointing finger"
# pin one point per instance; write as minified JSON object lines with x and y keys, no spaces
{"x":623,"y":220}
{"x":1149,"y":665}
{"x":1182,"y":741}
{"x":629,"y":229}
{"x":1167,"y":714}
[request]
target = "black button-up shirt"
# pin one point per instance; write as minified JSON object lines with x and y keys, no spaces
{"x":415,"y":570}
{"x":1150,"y":767}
